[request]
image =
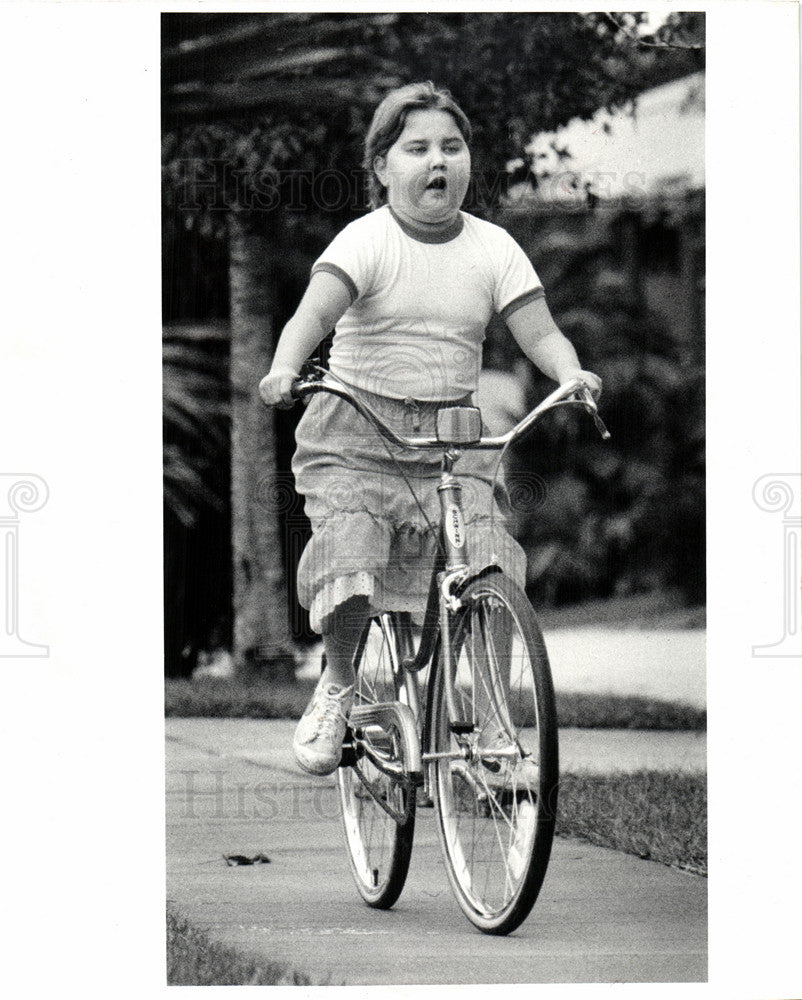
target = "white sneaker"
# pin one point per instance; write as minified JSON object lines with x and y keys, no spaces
{"x":319,"y":736}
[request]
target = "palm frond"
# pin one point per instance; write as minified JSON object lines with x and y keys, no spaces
{"x":198,"y":101}
{"x":240,"y":64}
{"x":195,"y":422}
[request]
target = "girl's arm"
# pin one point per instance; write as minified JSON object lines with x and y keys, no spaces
{"x":541,"y":341}
{"x":325,"y":300}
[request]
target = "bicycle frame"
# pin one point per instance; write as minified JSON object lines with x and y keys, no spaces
{"x":450,"y":573}
{"x":491,"y":775}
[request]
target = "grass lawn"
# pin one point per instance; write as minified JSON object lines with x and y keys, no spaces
{"x":661,"y":610}
{"x":654,"y":815}
{"x":235,"y":700}
{"x":193,"y":959}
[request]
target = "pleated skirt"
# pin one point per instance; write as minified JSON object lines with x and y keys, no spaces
{"x":374,"y":507}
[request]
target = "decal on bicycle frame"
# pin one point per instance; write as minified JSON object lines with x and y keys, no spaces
{"x":455,"y":526}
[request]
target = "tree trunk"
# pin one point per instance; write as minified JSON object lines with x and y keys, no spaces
{"x":262,"y":642}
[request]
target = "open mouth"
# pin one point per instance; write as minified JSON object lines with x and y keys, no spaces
{"x":436,"y":184}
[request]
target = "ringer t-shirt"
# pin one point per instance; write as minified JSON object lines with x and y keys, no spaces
{"x":420,"y":303}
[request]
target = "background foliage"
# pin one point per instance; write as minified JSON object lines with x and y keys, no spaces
{"x":256,"y":109}
{"x":628,"y":515}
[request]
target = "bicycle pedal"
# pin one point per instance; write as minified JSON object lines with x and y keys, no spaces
{"x":461,"y":728}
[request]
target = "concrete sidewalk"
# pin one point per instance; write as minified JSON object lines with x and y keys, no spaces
{"x":665,"y":664}
{"x":602,"y":916}
{"x":268,"y":744}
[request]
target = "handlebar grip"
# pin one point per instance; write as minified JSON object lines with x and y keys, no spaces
{"x":590,"y":400}
{"x":605,"y":434}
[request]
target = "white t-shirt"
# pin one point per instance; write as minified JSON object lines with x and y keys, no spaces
{"x":420,"y":308}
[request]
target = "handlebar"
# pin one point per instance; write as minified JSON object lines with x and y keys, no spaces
{"x":573,"y":392}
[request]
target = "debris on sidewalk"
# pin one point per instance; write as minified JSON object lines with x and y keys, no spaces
{"x":242,"y":859}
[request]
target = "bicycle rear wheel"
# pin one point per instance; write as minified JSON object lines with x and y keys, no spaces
{"x":496,"y":790}
{"x":378,"y":812}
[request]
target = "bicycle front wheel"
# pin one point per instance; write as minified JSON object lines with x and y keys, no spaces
{"x":378,"y":811}
{"x":496,"y":784}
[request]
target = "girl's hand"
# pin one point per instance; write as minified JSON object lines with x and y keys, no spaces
{"x":591,"y":380}
{"x":275,"y":388}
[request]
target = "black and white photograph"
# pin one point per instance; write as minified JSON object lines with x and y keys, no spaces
{"x":401,"y":507}
{"x":467,"y":221}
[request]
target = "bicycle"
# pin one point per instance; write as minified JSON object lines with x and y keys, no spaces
{"x":480,"y":742}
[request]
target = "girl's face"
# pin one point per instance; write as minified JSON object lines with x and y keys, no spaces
{"x":427,"y":170}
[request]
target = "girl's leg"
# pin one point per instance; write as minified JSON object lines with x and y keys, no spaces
{"x":340,"y":637}
{"x":320,"y":731}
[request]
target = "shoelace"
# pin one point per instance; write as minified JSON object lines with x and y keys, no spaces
{"x":329,"y":710}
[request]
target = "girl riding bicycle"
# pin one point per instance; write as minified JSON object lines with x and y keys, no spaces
{"x":409,"y":289}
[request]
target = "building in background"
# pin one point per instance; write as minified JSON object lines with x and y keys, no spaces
{"x":639,"y":176}
{"x":658,"y":150}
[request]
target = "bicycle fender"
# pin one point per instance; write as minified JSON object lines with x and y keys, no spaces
{"x":485,"y":571}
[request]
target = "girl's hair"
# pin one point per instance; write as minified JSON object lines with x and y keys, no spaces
{"x":389,"y":120}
